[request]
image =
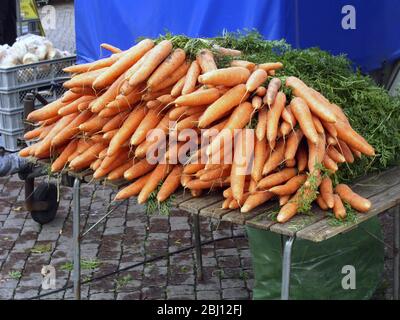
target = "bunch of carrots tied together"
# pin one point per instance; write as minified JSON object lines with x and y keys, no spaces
{"x":103,"y":120}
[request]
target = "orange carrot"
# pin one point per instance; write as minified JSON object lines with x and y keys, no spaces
{"x":261,"y":92}
{"x":84,"y":80}
{"x":353,"y":199}
{"x":128,"y":59}
{"x":45,"y":145}
{"x":153,"y":60}
{"x":302,"y":159}
{"x":71,"y":130}
{"x":316,"y":153}
{"x":276,"y":159}
{"x":293,"y":144}
{"x":138,"y":169}
{"x":47,"y":112}
{"x":257,"y":102}
{"x":261,"y":130}
{"x":206,"y":61}
{"x":150,"y":121}
{"x":276,"y":179}
{"x":240,"y":117}
{"x":339,"y":210}
{"x":69,"y":96}
{"x":108,"y":96}
{"x":284,"y":200}
{"x":273,"y":116}
{"x":171,"y":184}
{"x":62,"y":160}
{"x":335,"y":155}
{"x":178,"y":87}
{"x":85,"y":159}
{"x":170,"y":64}
{"x":303,"y":115}
{"x":93,"y":125}
{"x":225,"y":77}
{"x":74,"y":106}
{"x":133,"y":189}
{"x":261,"y":153}
{"x":99,"y":64}
{"x":158,"y":175}
{"x":116,"y":122}
{"x":346,"y":152}
{"x":109,"y":135}
{"x":326,"y":191}
{"x":256,"y":79}
{"x":128,"y":128}
{"x":330,"y":164}
{"x":223,"y":105}
{"x":290,"y":187}
{"x":239,"y":167}
{"x":191,"y":78}
{"x":318,"y":125}
{"x":204,"y":185}
{"x":288,"y":211}
{"x":244,"y":64}
{"x":270,"y":66}
{"x":353,"y":139}
{"x":199,"y":98}
{"x":110,"y":48}
{"x":318,"y":107}
{"x":173,"y":78}
{"x":288,"y":116}
{"x":256,"y":199}
{"x":273,"y":88}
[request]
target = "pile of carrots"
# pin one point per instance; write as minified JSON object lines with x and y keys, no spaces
{"x":112,"y":104}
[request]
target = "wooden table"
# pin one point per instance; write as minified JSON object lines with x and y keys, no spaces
{"x":382,"y":189}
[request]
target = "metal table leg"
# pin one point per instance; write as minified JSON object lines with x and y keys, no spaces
{"x":197,"y":243}
{"x":396,"y":253}
{"x":76,"y":240}
{"x":286,"y":265}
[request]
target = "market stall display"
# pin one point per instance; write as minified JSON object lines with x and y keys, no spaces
{"x":113,"y":104}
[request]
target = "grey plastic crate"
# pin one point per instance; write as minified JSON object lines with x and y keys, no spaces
{"x":34,"y":74}
{"x":12,"y":121}
{"x":11,"y":101}
{"x":12,"y":142}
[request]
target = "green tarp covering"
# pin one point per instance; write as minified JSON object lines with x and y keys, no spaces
{"x":318,"y":269}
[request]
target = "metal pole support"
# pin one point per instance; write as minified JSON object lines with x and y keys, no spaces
{"x":396,"y":253}
{"x":29,"y":106}
{"x":76,"y":238}
{"x":286,"y":266}
{"x":197,"y":243}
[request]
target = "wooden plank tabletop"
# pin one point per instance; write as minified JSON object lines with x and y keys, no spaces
{"x":383,"y":190}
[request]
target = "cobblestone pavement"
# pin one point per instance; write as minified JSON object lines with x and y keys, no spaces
{"x":129,"y":236}
{"x":63,"y":36}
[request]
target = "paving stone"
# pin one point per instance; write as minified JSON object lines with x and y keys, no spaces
{"x":153,"y":293}
{"x":6,"y":294}
{"x":181,"y":292}
{"x":129,"y":296}
{"x":230,"y":262}
{"x":232,"y":283}
{"x":208,"y":295}
{"x":25,"y":293}
{"x":102,"y":296}
{"x":235,"y":294}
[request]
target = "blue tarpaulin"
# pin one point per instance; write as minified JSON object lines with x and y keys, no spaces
{"x":303,"y":23}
